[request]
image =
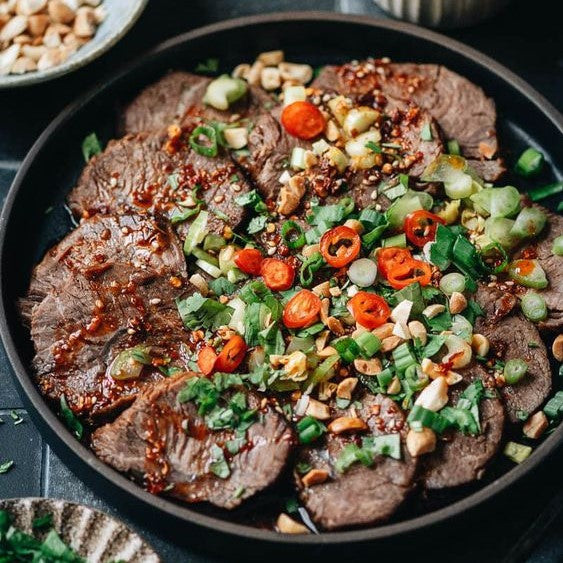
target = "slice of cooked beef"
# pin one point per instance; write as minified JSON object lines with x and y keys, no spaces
{"x":459,"y":458}
{"x":553,"y":267}
{"x":514,"y":337}
{"x":164,"y":102}
{"x":362,"y":495}
{"x":110,"y":287}
{"x":461,"y":108}
{"x":495,"y":303}
{"x":178,"y":95}
{"x":166,"y":444}
{"x":126,"y":239}
{"x":145,"y":174}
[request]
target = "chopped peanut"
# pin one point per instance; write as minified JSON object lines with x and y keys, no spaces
{"x":318,"y":410}
{"x":346,"y":424}
{"x":422,"y":442}
{"x":314,"y":477}
{"x":287,"y":525}
{"x":536,"y":425}
{"x":346,"y":387}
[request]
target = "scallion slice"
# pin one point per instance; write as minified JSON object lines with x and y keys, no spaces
{"x":196,"y":232}
{"x":528,"y":273}
{"x":293,"y":235}
{"x":399,"y":240}
{"x":558,"y":246}
{"x":542,"y":192}
{"x":310,"y":429}
{"x":453,"y":282}
{"x":426,"y":132}
{"x":348,"y":349}
{"x":530,"y":163}
{"x":369,"y":344}
{"x":554,"y":407}
{"x":403,"y":358}
{"x":514,"y":371}
{"x":517,"y":452}
{"x":529,"y":223}
{"x":534,"y":307}
{"x":453,"y":147}
{"x":314,"y":263}
{"x":207,"y":147}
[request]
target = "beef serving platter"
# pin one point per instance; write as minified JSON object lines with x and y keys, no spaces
{"x":52,"y":166}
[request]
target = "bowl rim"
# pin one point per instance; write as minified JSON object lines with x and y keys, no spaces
{"x":76,"y":60}
{"x":58,"y":433}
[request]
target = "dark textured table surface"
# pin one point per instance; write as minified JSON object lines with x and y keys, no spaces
{"x":525,"y":525}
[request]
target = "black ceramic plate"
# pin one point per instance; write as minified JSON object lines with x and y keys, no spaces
{"x":34,"y":218}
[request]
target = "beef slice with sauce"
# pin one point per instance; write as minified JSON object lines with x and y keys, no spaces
{"x":179,"y":95}
{"x":462,"y":109}
{"x":134,"y":173}
{"x":362,"y":495}
{"x":110,"y":285}
{"x":459,"y":458}
{"x":553,"y":267}
{"x":182,"y":457}
{"x":512,"y":336}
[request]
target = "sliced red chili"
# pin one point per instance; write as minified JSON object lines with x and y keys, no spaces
{"x":303,"y":120}
{"x":249,"y":261}
{"x":339,"y":246}
{"x":231,"y":355}
{"x":410,"y":272}
{"x":301,"y":310}
{"x":278,"y":275}
{"x":391,"y":257}
{"x":368,"y":309}
{"x":420,"y":226}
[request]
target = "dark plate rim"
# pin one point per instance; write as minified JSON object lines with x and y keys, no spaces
{"x":58,"y":431}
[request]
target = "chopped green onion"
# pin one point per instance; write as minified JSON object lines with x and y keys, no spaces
{"x":373,"y":147}
{"x":129,"y":363}
{"x":505,"y":202}
{"x":487,"y":252}
{"x":224,"y":90}
{"x":517,"y":452}
{"x":200,"y":254}
{"x":369,"y":344}
{"x":529,"y":223}
{"x":520,"y":272}
{"x":426,"y":132}
{"x":453,"y":147}
{"x":313,"y":264}
{"x":348,"y":349}
{"x":530,"y":163}
{"x":70,"y":419}
{"x":459,"y":187}
{"x":420,"y":417}
{"x":209,"y":147}
{"x":350,"y":454}
{"x":534,"y":307}
{"x":213,"y":242}
{"x":514,"y":371}
{"x":465,"y":257}
{"x":411,"y":201}
{"x":293,"y":235}
{"x":196,"y":232}
{"x":297,"y":160}
{"x":363,"y":272}
{"x":557,"y":247}
{"x":385,"y":377}
{"x":326,"y":369}
{"x":386,"y":444}
{"x":542,"y":192}
{"x":554,"y":407}
{"x":442,"y":247}
{"x":403,"y":358}
{"x":499,"y":229}
{"x":310,"y":429}
{"x":91,"y":146}
{"x":399,"y":240}
{"x":453,"y":282}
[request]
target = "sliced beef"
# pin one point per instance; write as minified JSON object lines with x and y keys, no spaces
{"x":495,"y":303}
{"x":179,"y":95}
{"x":164,"y":102}
{"x":553,"y":266}
{"x":362,"y":495}
{"x":459,"y":458}
{"x":111,"y":286}
{"x":181,"y":448}
{"x":461,"y":108}
{"x":134,"y":173}
{"x":514,"y":337}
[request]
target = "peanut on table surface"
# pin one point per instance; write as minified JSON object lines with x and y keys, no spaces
{"x":41,"y":34}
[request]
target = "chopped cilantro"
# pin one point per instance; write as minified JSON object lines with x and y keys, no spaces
{"x":91,"y":146}
{"x":219,"y":465}
{"x":70,"y":419}
{"x":6,"y":466}
{"x":197,"y":312}
{"x":222,"y":286}
{"x":252,"y":199}
{"x":209,"y":65}
{"x":257,"y":224}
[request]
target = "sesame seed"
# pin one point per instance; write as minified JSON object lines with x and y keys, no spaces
{"x":155,"y":301}
{"x":113,"y":182}
{"x":219,"y":198}
{"x":374,"y":194}
{"x":130,"y":331}
{"x":271,"y":251}
{"x":236,"y":187}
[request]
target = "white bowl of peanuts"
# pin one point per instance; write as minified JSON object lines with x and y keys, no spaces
{"x":43,"y":39}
